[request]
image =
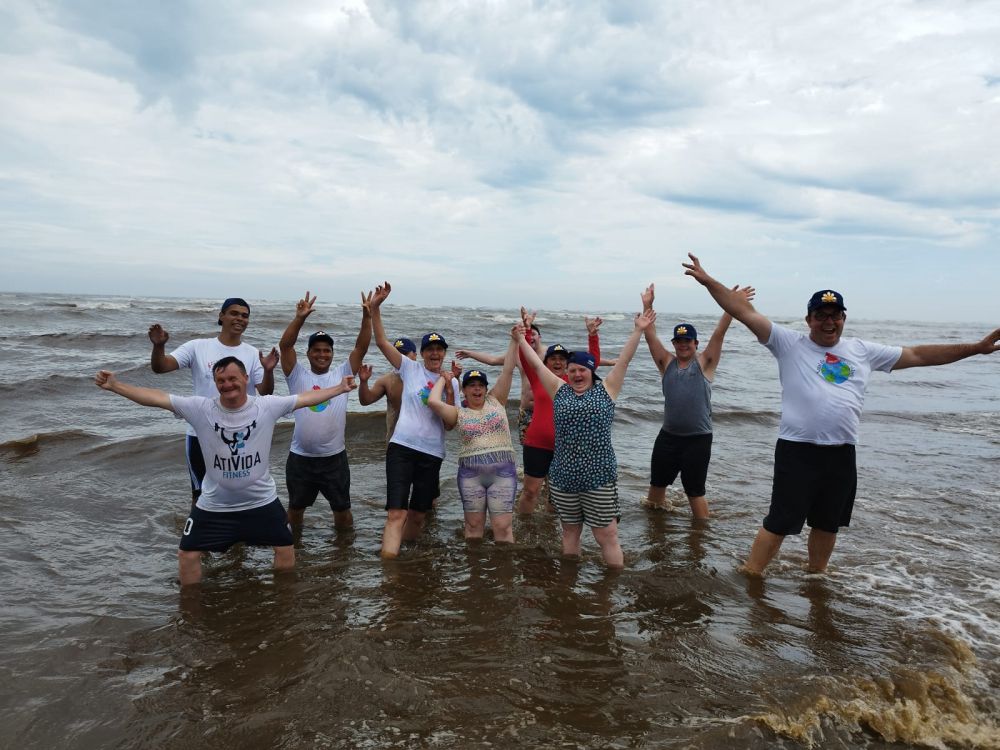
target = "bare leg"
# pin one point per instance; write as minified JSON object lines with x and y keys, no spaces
{"x":475,"y":524}
{"x":699,"y":506}
{"x":188,"y":566}
{"x":342,"y":520}
{"x":503,"y":531}
{"x":820,"y":548}
{"x":284,"y":557}
{"x":296,"y":516}
{"x":765,"y":547}
{"x":656,"y":498}
{"x":414,"y":525}
{"x":611,"y":550}
{"x":530,"y":490}
{"x":571,"y":538}
{"x":392,"y":534}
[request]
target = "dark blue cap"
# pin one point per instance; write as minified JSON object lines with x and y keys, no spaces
{"x":320,"y":336}
{"x":234,"y":301}
{"x":404,"y":346}
{"x":826,"y":297}
{"x":555,"y":349}
{"x":685,"y":331}
{"x":474,"y":375}
{"x":584,"y":359}
{"x":432,"y":338}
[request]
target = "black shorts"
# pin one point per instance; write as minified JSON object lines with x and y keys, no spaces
{"x":412,"y":479}
{"x":536,"y":461}
{"x":307,"y":476}
{"x":217,"y":531}
{"x":196,"y":464}
{"x":687,"y":455}
{"x":814,"y":484}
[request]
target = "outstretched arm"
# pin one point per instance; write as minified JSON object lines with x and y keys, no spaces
{"x":311,"y":398}
{"x":368,"y":395}
{"x":661,"y":357}
{"x":447,"y":412}
{"x":927,"y":355}
{"x":486,"y":359}
{"x":709,"y":358}
{"x":731,"y":301}
{"x":159,"y":360}
{"x":384,"y":345}
{"x":303,"y":309}
{"x":364,"y":338}
{"x":143,"y":396}
{"x":501,"y":389}
{"x":613,"y":382}
{"x":530,"y":359}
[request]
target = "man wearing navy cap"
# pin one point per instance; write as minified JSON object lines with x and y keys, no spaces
{"x":389,"y":385}
{"x":200,"y":355}
{"x":317,"y":461}
{"x":684,"y":443}
{"x":823,"y":381}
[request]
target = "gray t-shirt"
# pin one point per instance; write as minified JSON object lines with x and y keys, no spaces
{"x":687,"y":400}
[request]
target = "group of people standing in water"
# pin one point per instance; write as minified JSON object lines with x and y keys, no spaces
{"x":565,"y":420}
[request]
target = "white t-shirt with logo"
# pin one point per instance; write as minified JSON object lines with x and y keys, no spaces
{"x":319,"y":430}
{"x":236,"y":445}
{"x":823,"y":389}
{"x":418,"y":427}
{"x":200,"y":355}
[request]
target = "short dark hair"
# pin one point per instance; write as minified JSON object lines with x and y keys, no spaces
{"x":536,"y":329}
{"x":223,"y":363}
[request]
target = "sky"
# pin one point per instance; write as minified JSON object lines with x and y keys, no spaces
{"x":560,"y":155}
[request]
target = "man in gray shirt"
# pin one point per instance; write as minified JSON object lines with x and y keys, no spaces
{"x":684,"y":444}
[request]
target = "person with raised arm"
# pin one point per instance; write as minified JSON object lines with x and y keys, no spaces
{"x":416,"y":450}
{"x":823,"y":381}
{"x":389,"y":385}
{"x":684,"y":443}
{"x":239,"y":500}
{"x":200,"y":356}
{"x":317,"y":461}
{"x":584,"y":471}
{"x":487,"y":474}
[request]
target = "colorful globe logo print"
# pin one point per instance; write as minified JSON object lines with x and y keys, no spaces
{"x":319,"y":407}
{"x":834,"y":369}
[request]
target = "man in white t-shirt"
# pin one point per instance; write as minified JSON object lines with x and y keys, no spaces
{"x":200,"y":356}
{"x":317,"y":462}
{"x":416,"y":450}
{"x":823,"y":381}
{"x":239,"y":502}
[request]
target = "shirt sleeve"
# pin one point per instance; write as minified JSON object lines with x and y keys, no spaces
{"x":781,"y":339}
{"x":294,"y":379}
{"x":594,"y":345}
{"x":279,"y":406}
{"x":184,"y":354}
{"x":256,"y":369}
{"x":882,"y":358}
{"x":187,"y":407}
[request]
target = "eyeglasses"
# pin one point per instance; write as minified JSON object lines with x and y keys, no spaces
{"x":836,"y":317}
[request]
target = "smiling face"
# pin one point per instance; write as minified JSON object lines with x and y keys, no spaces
{"x":475,"y":394}
{"x":557,"y":363}
{"x":231,"y":382}
{"x":234,"y":320}
{"x":320,"y":357}
{"x":685,"y":349}
{"x":826,"y":325}
{"x":433,"y":356}
{"x":580,"y":378}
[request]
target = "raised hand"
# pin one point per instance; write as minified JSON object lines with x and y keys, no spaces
{"x":364,"y":372}
{"x":748,"y":291}
{"x":461,"y":354}
{"x":456,"y":369}
{"x":348,"y":383}
{"x":647,"y":297}
{"x":270,"y":360}
{"x":304,"y":307}
{"x":695,"y":271}
{"x":105,"y":379}
{"x":592,"y":324}
{"x":528,"y":317}
{"x":380,"y":295}
{"x":989,"y":343}
{"x":366,"y":303}
{"x":645,"y":319}
{"x":158,"y":335}
{"x":517,"y":332}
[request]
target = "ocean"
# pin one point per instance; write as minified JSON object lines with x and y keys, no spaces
{"x":470,"y":646}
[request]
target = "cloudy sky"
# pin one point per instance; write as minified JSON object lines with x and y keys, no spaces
{"x":489,"y":152}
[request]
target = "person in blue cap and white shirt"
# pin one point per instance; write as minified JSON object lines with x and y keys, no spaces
{"x":416,"y":450}
{"x":823,"y":381}
{"x":583,"y":476}
{"x":317,"y":461}
{"x":684,"y":443}
{"x":200,"y":356}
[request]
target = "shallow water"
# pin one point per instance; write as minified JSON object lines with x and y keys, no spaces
{"x":478,"y":646}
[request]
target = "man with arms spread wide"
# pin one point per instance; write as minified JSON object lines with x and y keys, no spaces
{"x":317,"y":461}
{"x":823,"y":382}
{"x":200,"y":355}
{"x":238,"y":502}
